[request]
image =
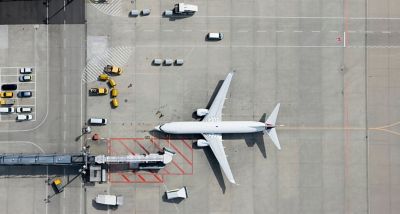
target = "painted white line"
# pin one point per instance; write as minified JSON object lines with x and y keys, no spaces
{"x":298,"y":31}
{"x":187,"y":30}
{"x":316,"y":31}
{"x":29,"y":66}
{"x":239,"y":46}
{"x":261,"y":31}
{"x":369,"y":31}
{"x":333,"y":31}
{"x":168,"y":30}
{"x":148,"y":30}
{"x":351,"y":31}
{"x":243,"y":31}
{"x":386,"y":32}
{"x":64,"y":136}
{"x":279,"y":31}
{"x":344,"y":39}
{"x":65,"y":99}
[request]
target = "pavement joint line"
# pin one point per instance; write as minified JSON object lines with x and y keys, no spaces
{"x":386,"y":32}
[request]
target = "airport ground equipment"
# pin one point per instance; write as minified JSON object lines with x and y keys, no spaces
{"x":177,"y":193}
{"x":57,"y":185}
{"x":113,"y":200}
{"x":98,"y":91}
{"x":113,"y":69}
{"x":184,"y":9}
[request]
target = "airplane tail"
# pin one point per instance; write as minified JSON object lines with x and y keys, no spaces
{"x":270,"y":126}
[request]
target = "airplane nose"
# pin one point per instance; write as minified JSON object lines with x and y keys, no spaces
{"x":157,"y":128}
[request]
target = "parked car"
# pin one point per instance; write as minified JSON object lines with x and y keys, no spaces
{"x":25,"y":78}
{"x":9,"y":87}
{"x":98,"y":121}
{"x":6,"y":94}
{"x":23,"y":94}
{"x":25,"y":70}
{"x":6,"y":102}
{"x":215,"y":36}
{"x":23,"y":117}
{"x":24,"y":109}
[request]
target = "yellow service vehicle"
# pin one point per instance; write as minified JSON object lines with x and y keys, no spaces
{"x":114,"y":92}
{"x":114,"y":103}
{"x":103,"y":77}
{"x":57,"y":185}
{"x":112,"y":83}
{"x":6,"y":94}
{"x":98,"y":91}
{"x":113,"y":69}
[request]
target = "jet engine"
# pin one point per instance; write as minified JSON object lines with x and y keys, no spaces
{"x":201,"y":112}
{"x":202,"y":143}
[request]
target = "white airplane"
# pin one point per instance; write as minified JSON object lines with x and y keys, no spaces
{"x":212,"y":127}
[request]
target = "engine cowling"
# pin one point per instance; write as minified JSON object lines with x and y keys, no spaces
{"x":201,"y":112}
{"x":202,"y":143}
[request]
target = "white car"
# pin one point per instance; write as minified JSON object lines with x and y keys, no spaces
{"x":25,"y":70}
{"x":25,"y":78}
{"x":23,"y":117}
{"x":24,"y":109}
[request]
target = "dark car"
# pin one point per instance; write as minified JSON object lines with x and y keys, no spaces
{"x":9,"y":87}
{"x":24,"y":94}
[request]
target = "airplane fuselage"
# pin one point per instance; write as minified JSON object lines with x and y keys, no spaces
{"x":212,"y":127}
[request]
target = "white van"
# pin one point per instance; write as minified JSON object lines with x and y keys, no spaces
{"x":6,"y":110}
{"x":215,"y":36}
{"x":97,"y":121}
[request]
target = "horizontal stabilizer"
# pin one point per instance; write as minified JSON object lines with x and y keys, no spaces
{"x":272,"y":117}
{"x":274,"y":137}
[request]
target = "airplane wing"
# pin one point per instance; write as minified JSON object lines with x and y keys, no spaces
{"x":215,"y":143}
{"x":215,"y":111}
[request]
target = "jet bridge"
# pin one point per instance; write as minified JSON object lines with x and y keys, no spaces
{"x":94,"y":167}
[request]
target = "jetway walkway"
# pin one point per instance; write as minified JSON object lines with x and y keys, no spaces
{"x":41,"y":159}
{"x":85,"y":159}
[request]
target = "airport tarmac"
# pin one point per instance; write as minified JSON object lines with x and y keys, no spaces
{"x":332,"y":66}
{"x":321,"y":66}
